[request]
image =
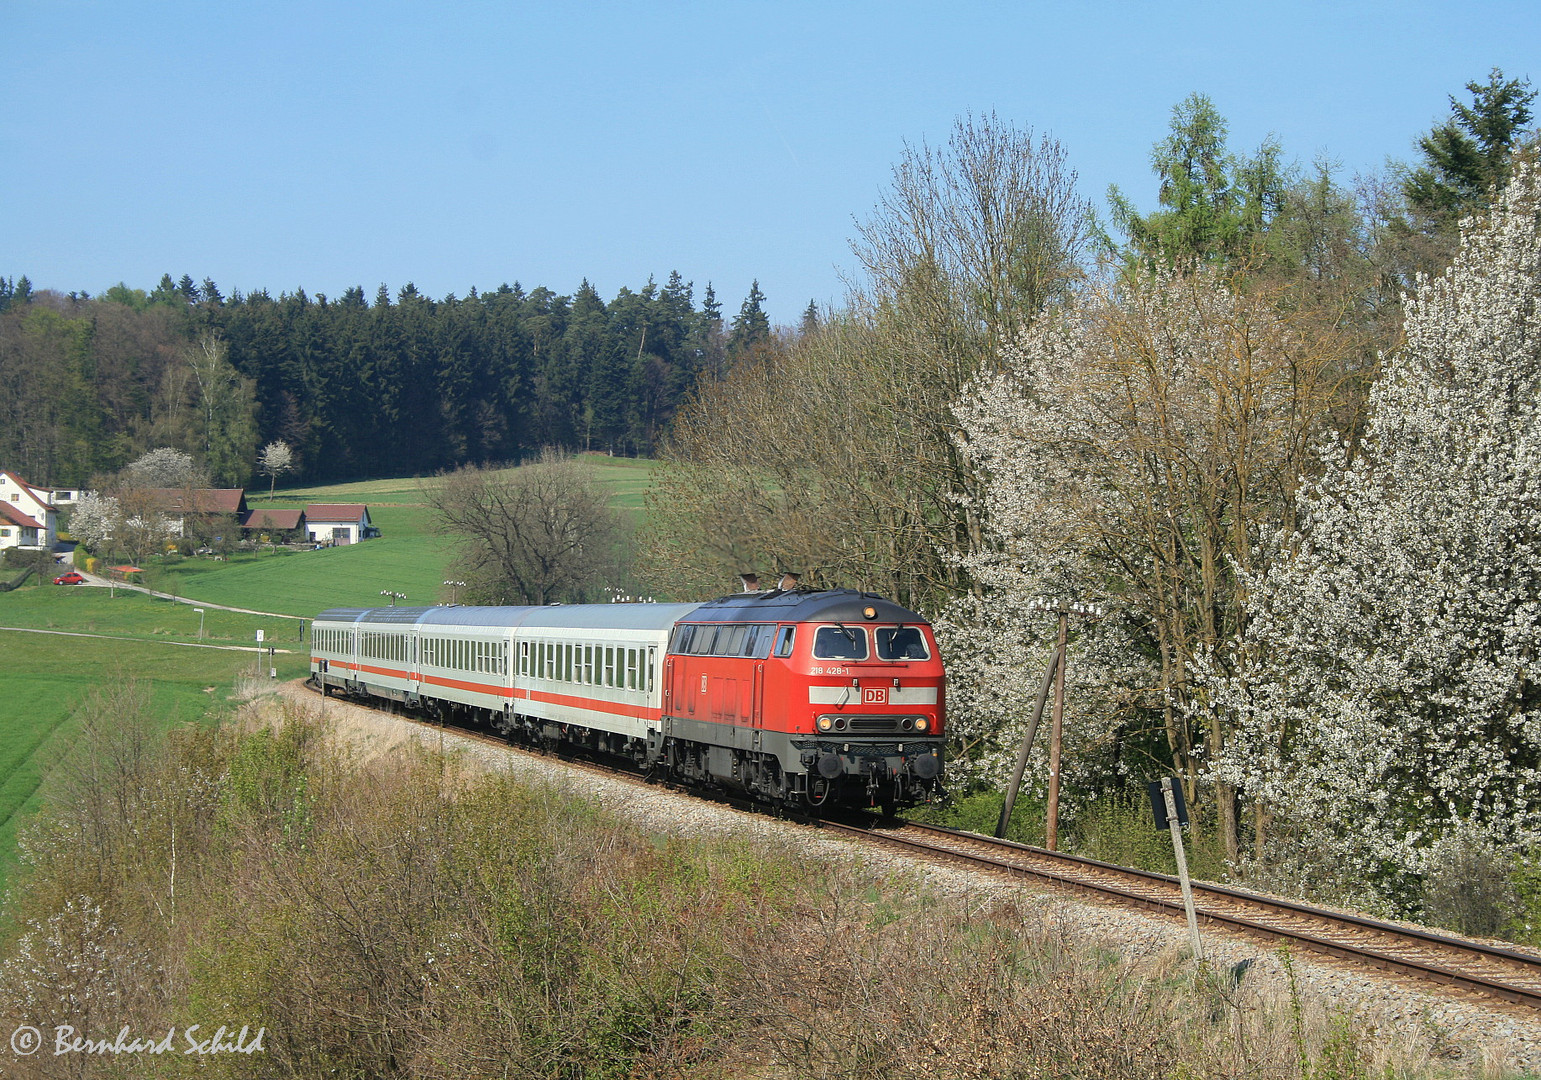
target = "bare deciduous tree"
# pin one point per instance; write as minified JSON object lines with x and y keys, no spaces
{"x":534,"y":535}
{"x":838,"y":458}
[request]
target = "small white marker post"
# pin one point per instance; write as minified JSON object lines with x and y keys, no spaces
{"x":1175,"y":822}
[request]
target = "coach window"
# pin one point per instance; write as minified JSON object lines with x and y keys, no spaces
{"x":652,"y":661}
{"x":840,"y":643}
{"x":784,"y":640}
{"x":567,"y":662}
{"x":588,"y":665}
{"x":631,"y":669}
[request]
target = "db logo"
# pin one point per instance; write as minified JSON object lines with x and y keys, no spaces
{"x":874,"y":695}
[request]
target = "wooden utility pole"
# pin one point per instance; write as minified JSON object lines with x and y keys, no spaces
{"x":1027,"y":743}
{"x":1057,"y":734}
{"x":1064,"y":609}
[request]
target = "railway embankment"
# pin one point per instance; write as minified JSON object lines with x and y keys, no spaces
{"x":1380,"y":1016}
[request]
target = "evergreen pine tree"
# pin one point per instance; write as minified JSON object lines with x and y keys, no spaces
{"x":750,"y":326}
{"x":1466,"y":158}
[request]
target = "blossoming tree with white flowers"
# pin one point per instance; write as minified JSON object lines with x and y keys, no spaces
{"x":1388,"y":696}
{"x":1138,"y":444}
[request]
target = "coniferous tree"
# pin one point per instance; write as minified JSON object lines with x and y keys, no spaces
{"x":751,"y":326}
{"x":810,"y":319}
{"x":1216,"y":205}
{"x":1467,"y":158}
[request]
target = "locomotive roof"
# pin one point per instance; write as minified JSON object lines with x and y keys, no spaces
{"x":555,"y":616}
{"x":802,"y":605}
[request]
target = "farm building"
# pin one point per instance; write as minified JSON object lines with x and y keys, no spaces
{"x":27,"y":515}
{"x":210,"y":504}
{"x":339,"y":523}
{"x":276,"y":523}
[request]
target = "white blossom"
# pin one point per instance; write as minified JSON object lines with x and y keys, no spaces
{"x":1389,"y":696}
{"x":95,"y":520}
{"x":1137,"y":443}
{"x":164,"y":467}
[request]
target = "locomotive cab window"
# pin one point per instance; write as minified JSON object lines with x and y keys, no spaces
{"x":902,"y":643}
{"x":840,"y":643}
{"x":784,"y":640}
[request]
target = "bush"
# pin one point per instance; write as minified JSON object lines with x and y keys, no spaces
{"x":1120,"y":828}
{"x":1468,"y":888}
{"x":980,"y":812}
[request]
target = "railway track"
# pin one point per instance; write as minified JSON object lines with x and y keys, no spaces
{"x":1490,"y":971}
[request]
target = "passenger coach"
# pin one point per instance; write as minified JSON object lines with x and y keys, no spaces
{"x":799,"y":696}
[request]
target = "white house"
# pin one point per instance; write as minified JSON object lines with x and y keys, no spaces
{"x":338,"y":523}
{"x":27,"y":517}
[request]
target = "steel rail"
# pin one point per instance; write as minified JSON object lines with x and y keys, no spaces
{"x":1076,"y":872}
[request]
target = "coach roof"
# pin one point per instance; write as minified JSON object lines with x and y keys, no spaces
{"x":553,"y":617}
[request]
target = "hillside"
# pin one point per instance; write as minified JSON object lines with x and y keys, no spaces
{"x":61,"y":644}
{"x":408,"y":557}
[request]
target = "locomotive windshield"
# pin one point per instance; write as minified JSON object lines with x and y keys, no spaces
{"x":902,"y":643}
{"x":840,"y":643}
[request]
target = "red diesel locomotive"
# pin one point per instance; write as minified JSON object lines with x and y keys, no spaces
{"x":799,"y":697}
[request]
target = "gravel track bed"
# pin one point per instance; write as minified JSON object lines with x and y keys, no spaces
{"x":1458,"y":1028}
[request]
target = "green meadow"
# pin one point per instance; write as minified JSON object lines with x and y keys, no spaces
{"x":67,"y":641}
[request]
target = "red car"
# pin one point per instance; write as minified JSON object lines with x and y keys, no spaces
{"x":71,"y":578}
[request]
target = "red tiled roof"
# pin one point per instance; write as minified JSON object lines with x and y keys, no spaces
{"x":273,"y":519}
{"x":16,"y":517}
{"x":335,"y":511}
{"x":204,"y":500}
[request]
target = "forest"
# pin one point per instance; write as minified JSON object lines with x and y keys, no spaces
{"x":403,"y":385}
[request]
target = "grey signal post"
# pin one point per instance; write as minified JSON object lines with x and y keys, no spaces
{"x":1175,"y":825}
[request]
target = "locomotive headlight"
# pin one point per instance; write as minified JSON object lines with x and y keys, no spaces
{"x":826,"y":722}
{"x":921,"y":723}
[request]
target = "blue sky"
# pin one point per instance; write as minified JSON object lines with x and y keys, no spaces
{"x":321,"y":145}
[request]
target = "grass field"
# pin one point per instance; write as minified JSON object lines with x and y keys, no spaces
{"x":47,"y":676}
{"x":157,"y":641}
{"x":408,"y":557}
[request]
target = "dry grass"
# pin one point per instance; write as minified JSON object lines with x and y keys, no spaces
{"x":387,"y":911}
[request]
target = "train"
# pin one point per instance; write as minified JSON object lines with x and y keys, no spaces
{"x":806,"y":698}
